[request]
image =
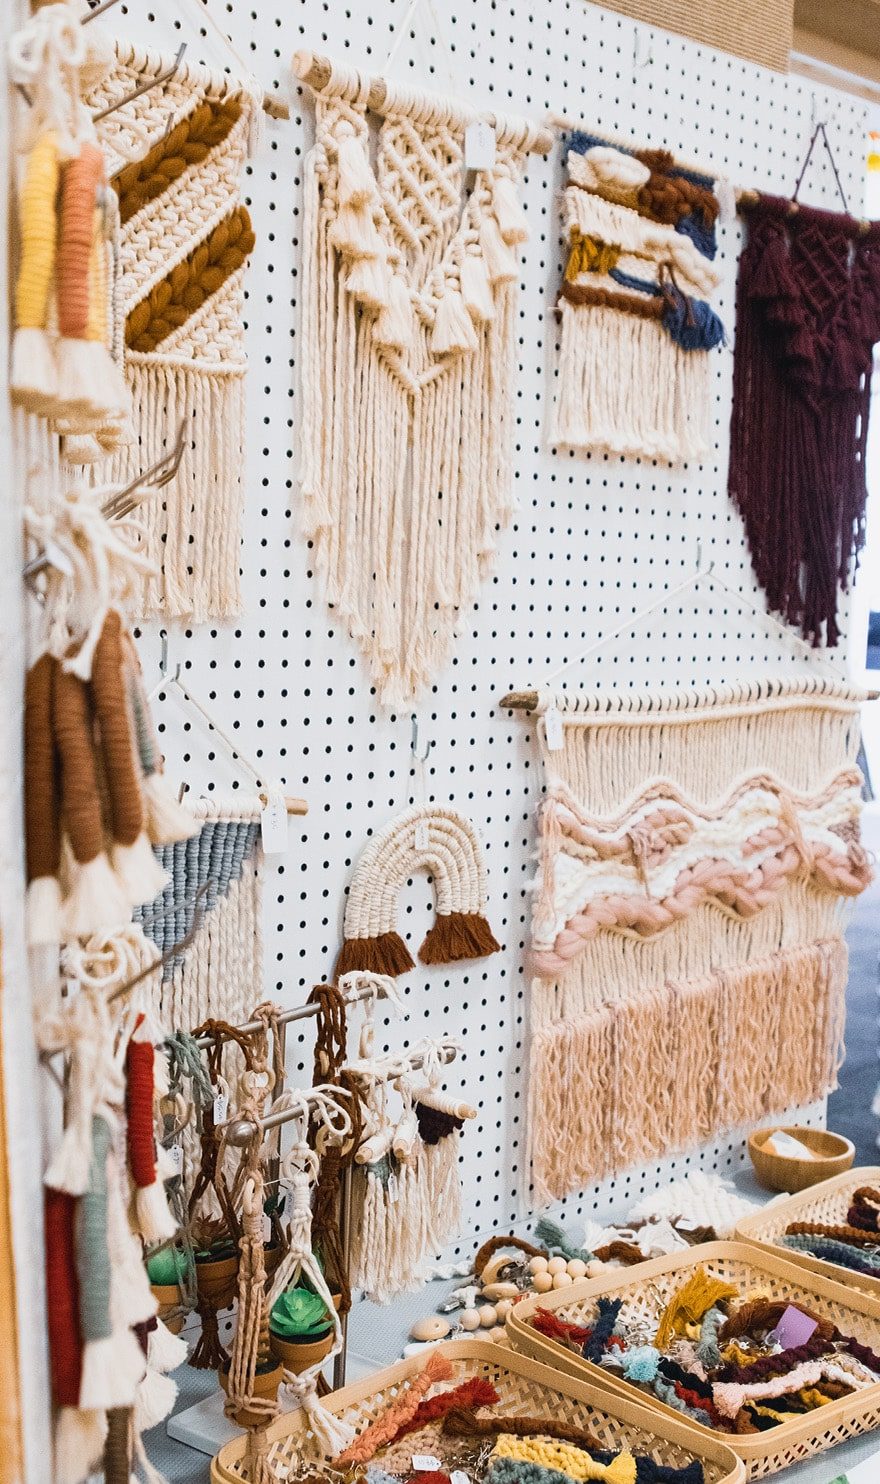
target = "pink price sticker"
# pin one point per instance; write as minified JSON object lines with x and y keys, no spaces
{"x":793,"y":1329}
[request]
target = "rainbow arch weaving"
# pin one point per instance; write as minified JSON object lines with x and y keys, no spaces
{"x":694,"y":853}
{"x":427,"y":838}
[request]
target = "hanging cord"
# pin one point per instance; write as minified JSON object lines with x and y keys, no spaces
{"x":186,"y":1066}
{"x":820,"y":129}
{"x":335,"y":1156}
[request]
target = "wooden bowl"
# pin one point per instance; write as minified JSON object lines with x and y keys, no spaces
{"x":834,"y":1155}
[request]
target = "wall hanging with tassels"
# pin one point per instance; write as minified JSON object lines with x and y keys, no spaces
{"x":694,"y":850}
{"x":409,"y":294}
{"x":175,"y":158}
{"x":425,"y":837}
{"x":637,"y":326}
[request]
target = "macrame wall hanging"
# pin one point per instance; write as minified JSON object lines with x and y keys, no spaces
{"x":637,"y":326}
{"x":410,"y":284}
{"x":220,"y":973}
{"x":807,"y":318}
{"x":688,"y":965}
{"x":175,"y":158}
{"x":428,"y":838}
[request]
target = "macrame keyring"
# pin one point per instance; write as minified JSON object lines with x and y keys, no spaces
{"x":427,"y":838}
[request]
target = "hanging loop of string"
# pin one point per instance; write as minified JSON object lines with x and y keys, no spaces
{"x":821,"y":129}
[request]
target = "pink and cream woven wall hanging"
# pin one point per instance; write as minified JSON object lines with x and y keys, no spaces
{"x":688,"y":968}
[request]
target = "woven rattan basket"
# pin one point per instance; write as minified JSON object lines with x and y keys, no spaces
{"x":828,"y":1203}
{"x":646,"y":1289}
{"x":526,"y":1388}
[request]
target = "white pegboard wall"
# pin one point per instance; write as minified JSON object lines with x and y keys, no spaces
{"x":596,"y":539}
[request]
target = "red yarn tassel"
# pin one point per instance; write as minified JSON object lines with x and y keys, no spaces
{"x":474,"y":1393}
{"x":62,"y":1288}
{"x":139,"y":1107}
{"x":557,"y":1329}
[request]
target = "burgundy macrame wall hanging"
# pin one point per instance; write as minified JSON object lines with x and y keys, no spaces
{"x":807,"y":317}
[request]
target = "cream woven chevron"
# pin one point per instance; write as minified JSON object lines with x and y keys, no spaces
{"x":427,"y":838}
{"x":175,"y":157}
{"x":694,"y":853}
{"x":410,"y":290}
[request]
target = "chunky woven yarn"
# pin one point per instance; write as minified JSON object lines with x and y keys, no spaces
{"x":176,"y":156}
{"x":408,"y":346}
{"x":807,"y":318}
{"x":634,"y":371}
{"x":428,"y":838}
{"x":694,"y":854}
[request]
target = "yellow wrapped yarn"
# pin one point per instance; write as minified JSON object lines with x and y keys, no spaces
{"x":549,"y":1453}
{"x":33,"y":380}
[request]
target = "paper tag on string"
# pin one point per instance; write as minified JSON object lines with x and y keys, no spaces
{"x":421,"y":834}
{"x":221,"y":1107}
{"x":479,"y":146}
{"x":273,"y":824}
{"x":553,"y":729}
{"x":794,"y":1329}
{"x":458,"y":1476}
{"x":426,"y":1463}
{"x":175,"y":1155}
{"x":393,"y":1194}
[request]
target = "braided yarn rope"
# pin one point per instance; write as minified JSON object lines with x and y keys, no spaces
{"x":683,"y":925}
{"x":636,"y":322}
{"x":408,"y":361}
{"x":176,"y":157}
{"x":428,"y":838}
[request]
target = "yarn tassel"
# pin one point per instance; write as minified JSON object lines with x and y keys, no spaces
{"x":79,"y":1444}
{"x":138,"y":872}
{"x":551,"y":1235}
{"x":476,"y":290}
{"x":154,"y":1400}
{"x":357,"y":185}
{"x":33,"y":379}
{"x":153,"y":1216}
{"x":500,"y":260}
{"x":367,"y":280}
{"x":165,"y":1351}
{"x":42,"y":805}
{"x":167,"y":821}
{"x":353,"y":233}
{"x":453,"y":332}
{"x":509,"y":214}
{"x":112,"y":1362}
{"x":96,"y":900}
{"x":385,"y":954}
{"x":394,"y":324}
{"x":458,"y":935}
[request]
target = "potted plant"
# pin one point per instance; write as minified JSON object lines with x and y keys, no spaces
{"x":167,"y":1270}
{"x":301,"y":1329}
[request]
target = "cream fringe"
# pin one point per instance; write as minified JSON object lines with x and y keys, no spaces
{"x":667,"y":1070}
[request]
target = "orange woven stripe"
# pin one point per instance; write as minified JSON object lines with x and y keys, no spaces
{"x":189,"y":143}
{"x":187,"y":286}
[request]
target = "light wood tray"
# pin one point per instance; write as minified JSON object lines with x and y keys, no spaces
{"x":829,"y":1203}
{"x":526,"y":1388}
{"x":646,"y":1289}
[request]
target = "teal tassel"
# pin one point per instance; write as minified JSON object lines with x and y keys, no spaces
{"x":551,"y":1235}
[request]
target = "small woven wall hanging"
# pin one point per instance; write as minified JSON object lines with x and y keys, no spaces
{"x":637,"y":326}
{"x":807,"y":318}
{"x":694,"y":852}
{"x":220,"y":974}
{"x":410,"y":283}
{"x":175,"y":158}
{"x":428,"y":838}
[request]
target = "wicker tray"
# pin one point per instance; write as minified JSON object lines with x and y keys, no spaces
{"x":646,"y":1288}
{"x":827,"y":1202}
{"x":526,"y":1388}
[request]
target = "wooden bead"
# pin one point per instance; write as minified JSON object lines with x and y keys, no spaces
{"x":556,"y":1265}
{"x":542,"y":1283}
{"x":498,"y":1333}
{"x":576,"y":1268}
{"x":494,"y":1267}
{"x":432,"y":1327}
{"x":493,"y":1291}
{"x":469,"y":1319}
{"x":562,"y":1280}
{"x":538,"y":1265}
{"x":488,"y":1315}
{"x":595,"y":1268}
{"x":503,"y":1307}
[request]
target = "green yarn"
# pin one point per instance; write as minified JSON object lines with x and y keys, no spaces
{"x":299,"y":1314}
{"x":92,"y":1252}
{"x":550,"y":1234}
{"x":170,"y":1265}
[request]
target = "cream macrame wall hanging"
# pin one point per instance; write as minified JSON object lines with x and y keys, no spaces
{"x":410,"y":283}
{"x":688,"y":966}
{"x":428,"y":838}
{"x":637,"y":327}
{"x":175,"y":158}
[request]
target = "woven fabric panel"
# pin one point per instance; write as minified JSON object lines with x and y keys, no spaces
{"x":759,"y":30}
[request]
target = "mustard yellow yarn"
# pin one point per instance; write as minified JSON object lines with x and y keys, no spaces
{"x":552,"y":1454}
{"x":689,"y":1303}
{"x":96,"y":328}
{"x":38,"y":231}
{"x":590,"y":255}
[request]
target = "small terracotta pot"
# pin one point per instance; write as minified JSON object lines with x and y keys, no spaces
{"x":168,"y":1297}
{"x":299,"y":1355}
{"x":215,"y":1278}
{"x":266,"y":1384}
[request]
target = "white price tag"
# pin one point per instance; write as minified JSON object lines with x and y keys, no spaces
{"x":421,"y":835}
{"x":273,"y":824}
{"x":458,"y":1476}
{"x":71,"y":987}
{"x":553,"y":729}
{"x":175,"y":1154}
{"x":393,"y":1195}
{"x":221,"y":1107}
{"x":426,"y":1463}
{"x":479,"y":146}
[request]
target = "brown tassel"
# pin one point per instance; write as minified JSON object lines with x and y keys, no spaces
{"x":463,"y":1422}
{"x":458,"y":935}
{"x":41,"y":793}
{"x":387,"y":954}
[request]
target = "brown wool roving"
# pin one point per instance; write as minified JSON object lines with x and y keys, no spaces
{"x":41,"y":804}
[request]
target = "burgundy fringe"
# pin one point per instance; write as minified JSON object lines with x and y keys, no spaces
{"x":807,"y":317}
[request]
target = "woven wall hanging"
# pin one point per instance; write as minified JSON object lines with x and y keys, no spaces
{"x":807,"y":318}
{"x":689,"y":969}
{"x":428,"y":838}
{"x":220,"y":974}
{"x":637,"y":327}
{"x":175,"y":158}
{"x":410,"y":283}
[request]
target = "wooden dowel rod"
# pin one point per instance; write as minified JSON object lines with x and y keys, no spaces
{"x":296,"y":806}
{"x":317,"y":72}
{"x":527,"y":700}
{"x":275,"y":106}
